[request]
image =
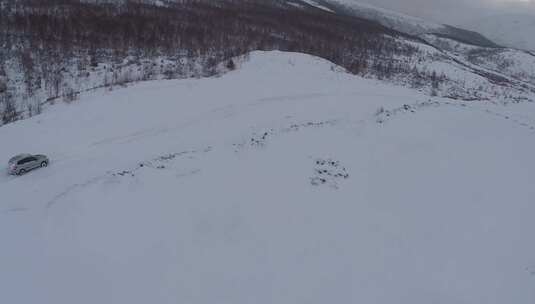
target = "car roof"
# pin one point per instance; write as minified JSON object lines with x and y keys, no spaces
{"x":18,"y":157}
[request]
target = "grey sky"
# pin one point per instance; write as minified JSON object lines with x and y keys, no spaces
{"x":456,"y":12}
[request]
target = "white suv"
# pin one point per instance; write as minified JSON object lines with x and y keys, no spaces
{"x":23,"y":163}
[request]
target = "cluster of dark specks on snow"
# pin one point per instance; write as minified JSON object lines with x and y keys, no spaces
{"x":382,"y":115}
{"x":124,"y":173}
{"x":513,"y":120}
{"x":161,"y":162}
{"x":328,"y":172}
{"x":259,"y":139}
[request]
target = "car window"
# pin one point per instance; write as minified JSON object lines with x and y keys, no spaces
{"x":25,"y":160}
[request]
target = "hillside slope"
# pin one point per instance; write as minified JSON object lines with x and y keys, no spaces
{"x":516,"y":64}
{"x":89,"y":45}
{"x":319,"y":187}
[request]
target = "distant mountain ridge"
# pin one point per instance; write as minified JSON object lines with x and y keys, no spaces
{"x":512,"y":30}
{"x":402,"y":22}
{"x":506,"y":30}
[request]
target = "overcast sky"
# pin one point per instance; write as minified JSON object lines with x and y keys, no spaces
{"x":456,"y":12}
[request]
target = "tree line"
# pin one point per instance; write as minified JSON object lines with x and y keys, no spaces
{"x":45,"y":36}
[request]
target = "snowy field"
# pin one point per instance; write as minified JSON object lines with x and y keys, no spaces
{"x":285,"y":181}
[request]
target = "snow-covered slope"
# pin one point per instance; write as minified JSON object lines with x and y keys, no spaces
{"x":513,"y":30}
{"x":514,"y":63}
{"x":319,"y":187}
{"x":315,"y":4}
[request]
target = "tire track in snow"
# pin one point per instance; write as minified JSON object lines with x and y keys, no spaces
{"x":158,"y":163}
{"x":155,"y":163}
{"x":220,"y":112}
{"x":260,"y":138}
{"x":15,"y":210}
{"x":71,"y":189}
{"x":224,"y":112}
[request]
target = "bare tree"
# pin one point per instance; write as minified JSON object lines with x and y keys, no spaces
{"x":10,"y":113}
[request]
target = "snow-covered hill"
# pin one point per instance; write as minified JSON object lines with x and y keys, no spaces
{"x":513,"y":30}
{"x":319,"y":187}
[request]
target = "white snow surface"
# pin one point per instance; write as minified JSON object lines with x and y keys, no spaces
{"x":285,"y":181}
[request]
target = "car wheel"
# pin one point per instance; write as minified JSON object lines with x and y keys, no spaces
{"x":22,"y":171}
{"x":44,"y":164}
